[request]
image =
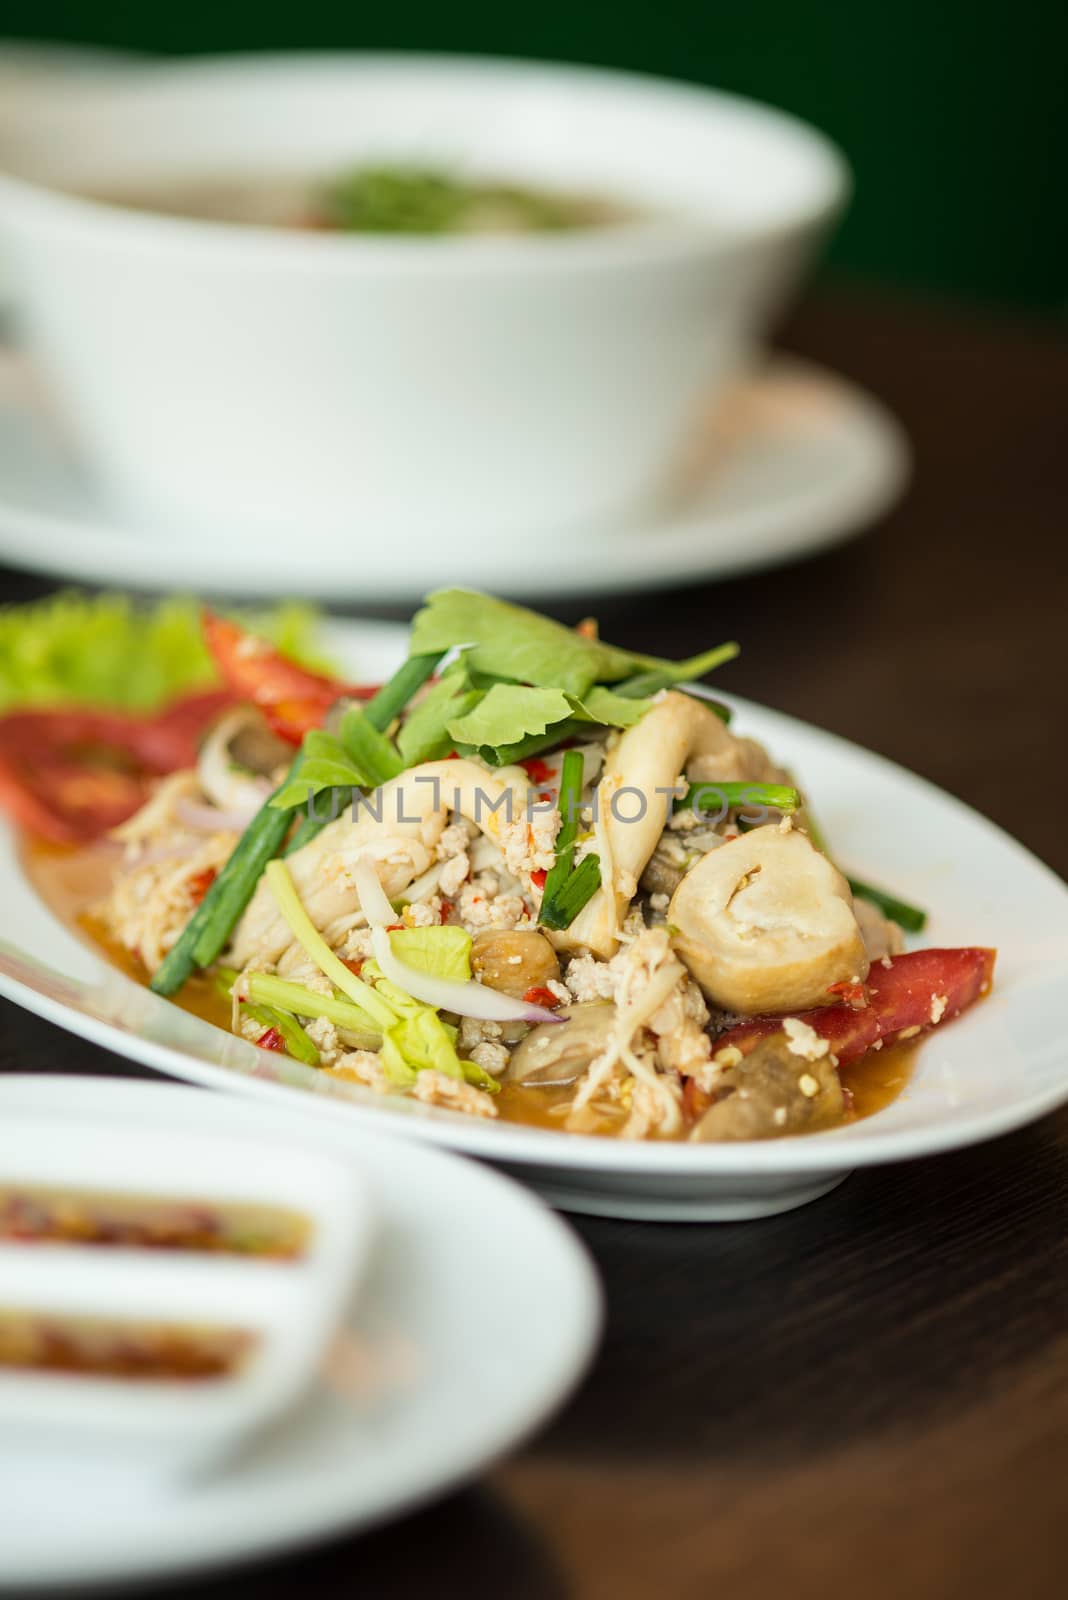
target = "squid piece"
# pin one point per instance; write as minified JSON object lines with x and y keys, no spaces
{"x":399,"y":825}
{"x":677,"y":735}
{"x":766,"y":923}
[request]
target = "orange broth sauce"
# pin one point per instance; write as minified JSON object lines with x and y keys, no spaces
{"x":72,"y":880}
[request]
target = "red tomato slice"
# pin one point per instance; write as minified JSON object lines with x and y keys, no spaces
{"x":68,"y":775}
{"x":293,"y":700}
{"x":913,"y":993}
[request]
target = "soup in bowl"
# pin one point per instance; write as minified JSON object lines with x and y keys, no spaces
{"x":606,"y":254}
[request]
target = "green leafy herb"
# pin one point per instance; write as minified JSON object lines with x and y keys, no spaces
{"x":610,"y":708}
{"x":314,"y":777}
{"x":534,"y":743}
{"x":424,"y":734}
{"x":400,"y":199}
{"x":509,"y":712}
{"x":508,"y":641}
{"x":668,"y":673}
{"x":381,"y":710}
{"x":541,"y":679}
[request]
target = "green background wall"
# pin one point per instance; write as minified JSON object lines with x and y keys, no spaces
{"x":953,"y":112}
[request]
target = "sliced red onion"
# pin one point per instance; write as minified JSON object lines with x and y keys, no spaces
{"x":470,"y":999}
{"x":210,"y":819}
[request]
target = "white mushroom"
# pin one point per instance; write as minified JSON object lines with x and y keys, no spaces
{"x":677,"y":735}
{"x":766,"y":924}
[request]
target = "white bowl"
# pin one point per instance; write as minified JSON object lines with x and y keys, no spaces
{"x":262,"y":383}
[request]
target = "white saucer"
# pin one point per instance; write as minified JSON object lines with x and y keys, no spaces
{"x":446,"y":1363}
{"x":796,"y":460}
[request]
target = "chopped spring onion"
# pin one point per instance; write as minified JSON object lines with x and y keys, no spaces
{"x":911,"y":918}
{"x":724,"y":797}
{"x":580,"y":887}
{"x":572,"y":774}
{"x":208,"y":930}
{"x":393,"y":696}
{"x":679,"y":672}
{"x":566,"y":889}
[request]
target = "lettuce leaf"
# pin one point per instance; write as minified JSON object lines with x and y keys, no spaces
{"x":419,"y":1038}
{"x":420,"y":1041}
{"x":443,"y":952}
{"x":103,"y":650}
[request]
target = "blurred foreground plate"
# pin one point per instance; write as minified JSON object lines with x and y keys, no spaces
{"x":796,"y":459}
{"x":477,"y":1317}
{"x":1002,"y":1064}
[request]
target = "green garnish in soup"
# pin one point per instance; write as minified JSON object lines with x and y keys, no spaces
{"x":385,"y":198}
{"x":424,"y":200}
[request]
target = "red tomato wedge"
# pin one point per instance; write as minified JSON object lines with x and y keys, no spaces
{"x":68,"y":776}
{"x":912,"y":993}
{"x":293,"y":699}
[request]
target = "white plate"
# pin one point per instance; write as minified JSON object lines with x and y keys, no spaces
{"x":797,"y":460}
{"x":1003,"y":1064}
{"x":420,"y":1397}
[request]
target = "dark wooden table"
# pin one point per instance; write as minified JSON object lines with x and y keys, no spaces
{"x":868,"y":1396}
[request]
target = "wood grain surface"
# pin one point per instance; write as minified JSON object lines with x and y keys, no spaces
{"x":869,"y":1396}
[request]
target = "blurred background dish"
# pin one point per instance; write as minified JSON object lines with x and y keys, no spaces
{"x":355,"y":389}
{"x":30,"y":67}
{"x":790,"y":460}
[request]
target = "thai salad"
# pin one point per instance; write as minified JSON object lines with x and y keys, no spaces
{"x":534,"y":876}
